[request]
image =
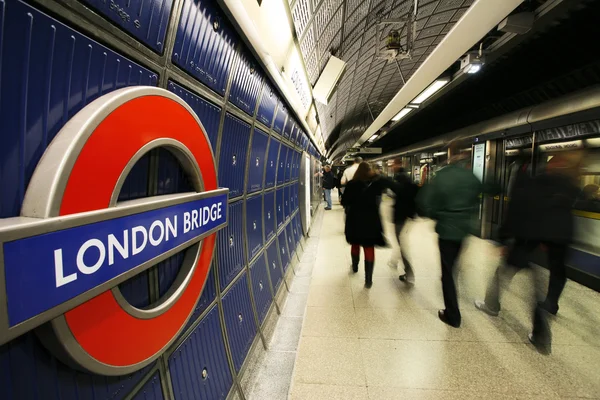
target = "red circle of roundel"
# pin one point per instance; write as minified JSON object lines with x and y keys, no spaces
{"x":102,"y":328}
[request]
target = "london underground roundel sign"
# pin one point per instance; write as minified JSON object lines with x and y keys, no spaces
{"x":63,"y":259}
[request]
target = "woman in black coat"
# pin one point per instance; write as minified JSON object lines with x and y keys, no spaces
{"x":363,"y":223}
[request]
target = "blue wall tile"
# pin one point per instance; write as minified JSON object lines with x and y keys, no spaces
{"x":199,"y":367}
{"x":230,"y":244}
{"x":256,"y":166}
{"x":260,"y":287}
{"x":246,"y":84}
{"x":205,"y":44}
{"x":47,"y":77}
{"x":232,"y":160}
{"x":268,"y":103}
{"x":274,"y":265}
{"x":151,"y":390}
{"x":239,"y":320}
{"x":269,"y":214}
{"x":254,"y":225}
{"x":272,"y":166}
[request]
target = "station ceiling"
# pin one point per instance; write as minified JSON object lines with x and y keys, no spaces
{"x":350,"y":30}
{"x":550,"y":63}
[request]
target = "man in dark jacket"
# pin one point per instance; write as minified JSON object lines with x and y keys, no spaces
{"x":328,"y":185}
{"x":451,"y":199}
{"x":539,"y":213}
{"x":404,"y":208}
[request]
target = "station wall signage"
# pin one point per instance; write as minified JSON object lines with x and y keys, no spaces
{"x":62,"y":260}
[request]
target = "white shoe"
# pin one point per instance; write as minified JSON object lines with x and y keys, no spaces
{"x":480,"y":305}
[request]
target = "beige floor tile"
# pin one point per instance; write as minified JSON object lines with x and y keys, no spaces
{"x":387,"y":323}
{"x":331,"y":277}
{"x":333,"y":361}
{"x":391,"y":393}
{"x":302,"y":391}
{"x":330,"y":296}
{"x":329,"y":321}
{"x":446,"y":365}
{"x":383,"y":294}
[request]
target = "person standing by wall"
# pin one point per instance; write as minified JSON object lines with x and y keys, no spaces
{"x":328,"y":185}
{"x":451,"y":199}
{"x":404,"y":208}
{"x":363,"y":223}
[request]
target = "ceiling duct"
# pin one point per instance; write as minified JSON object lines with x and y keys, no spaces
{"x":520,"y":23}
{"x":327,"y":83}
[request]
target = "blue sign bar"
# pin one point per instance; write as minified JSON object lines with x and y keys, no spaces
{"x":46,"y":270}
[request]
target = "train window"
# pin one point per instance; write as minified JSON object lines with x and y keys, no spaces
{"x":589,"y":178}
{"x":589,"y":182}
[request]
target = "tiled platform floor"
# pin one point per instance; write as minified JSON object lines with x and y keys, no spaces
{"x":337,"y":340}
{"x":387,"y":342}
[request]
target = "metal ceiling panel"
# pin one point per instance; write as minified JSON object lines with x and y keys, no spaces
{"x":350,"y":29}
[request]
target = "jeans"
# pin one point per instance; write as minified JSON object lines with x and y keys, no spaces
{"x":328,"y":197}
{"x":449,"y":251}
{"x":400,"y":255}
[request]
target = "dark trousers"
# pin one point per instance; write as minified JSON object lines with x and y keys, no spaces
{"x":517,"y":260}
{"x":449,"y":251}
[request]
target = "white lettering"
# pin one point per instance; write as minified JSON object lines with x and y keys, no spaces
{"x":219,"y":211}
{"x":194,"y":219}
{"x":135,"y":248}
{"x":213,"y":212}
{"x":156,"y":242}
{"x":61,"y":279}
{"x":205,"y":215}
{"x":186,"y":222}
{"x":85,"y":269}
{"x":171,"y":227}
{"x":113,"y":244}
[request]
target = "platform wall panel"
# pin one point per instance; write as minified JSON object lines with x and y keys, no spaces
{"x":254,"y":225}
{"x":145,"y":20}
{"x":46,"y":78}
{"x":199,"y":367}
{"x":239,"y":320}
{"x":272,"y":165}
{"x":246,"y":84}
{"x":152,"y":390}
{"x":256,"y":166}
{"x":205,"y":44}
{"x":274,"y":265}
{"x":269,"y":214}
{"x":260,"y":287}
{"x":230,"y":245}
{"x":232,"y":158}
{"x":208,"y":113}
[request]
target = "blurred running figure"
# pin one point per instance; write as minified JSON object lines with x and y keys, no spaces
{"x":404,"y":208}
{"x":350,"y":171}
{"x":539,"y":214}
{"x":451,"y":199}
{"x":363,"y":223}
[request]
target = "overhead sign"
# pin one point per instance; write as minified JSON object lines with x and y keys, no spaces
{"x":364,"y":150}
{"x":62,"y":261}
{"x":572,"y":145}
{"x":479,"y":161}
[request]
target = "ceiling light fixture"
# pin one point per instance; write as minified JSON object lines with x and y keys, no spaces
{"x":372,"y":138}
{"x":402,"y":114}
{"x":431,"y":90}
{"x":471,"y":63}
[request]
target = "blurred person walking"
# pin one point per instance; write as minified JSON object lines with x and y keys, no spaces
{"x":539,"y":214}
{"x":350,"y":171}
{"x":363,"y":223}
{"x":404,"y":209}
{"x":451,"y":199}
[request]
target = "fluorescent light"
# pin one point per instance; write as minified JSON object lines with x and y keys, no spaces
{"x":472,"y":68}
{"x":440,"y":153}
{"x":401,"y":114}
{"x":427,"y":93}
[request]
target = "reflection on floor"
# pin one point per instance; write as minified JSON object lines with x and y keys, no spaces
{"x":387,"y":342}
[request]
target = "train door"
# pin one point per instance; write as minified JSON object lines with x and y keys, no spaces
{"x":511,"y":154}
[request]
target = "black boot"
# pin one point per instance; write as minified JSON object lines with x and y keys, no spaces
{"x":369,"y":274}
{"x":355,"y":261}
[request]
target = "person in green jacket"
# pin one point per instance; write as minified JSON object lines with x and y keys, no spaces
{"x":452,"y":200}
